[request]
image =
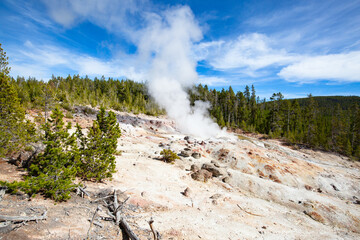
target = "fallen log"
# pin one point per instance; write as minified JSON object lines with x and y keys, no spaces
{"x":22,"y":218}
{"x":92,"y":221}
{"x":83,"y":191}
{"x":121,"y":221}
{"x":128,"y":230}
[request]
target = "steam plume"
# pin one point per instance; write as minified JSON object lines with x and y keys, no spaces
{"x":167,"y":41}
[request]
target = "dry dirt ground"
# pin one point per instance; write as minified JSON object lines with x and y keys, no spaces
{"x":259,"y":189}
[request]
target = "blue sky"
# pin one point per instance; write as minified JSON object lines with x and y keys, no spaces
{"x":295,"y":47}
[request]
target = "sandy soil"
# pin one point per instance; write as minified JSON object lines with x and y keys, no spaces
{"x":264,"y":190}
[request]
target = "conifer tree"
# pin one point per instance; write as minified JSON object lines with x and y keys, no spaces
{"x":14,"y":130}
{"x":4,"y":68}
{"x":53,"y":171}
{"x":97,"y":149}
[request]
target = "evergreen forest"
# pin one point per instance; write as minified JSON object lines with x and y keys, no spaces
{"x":327,"y":123}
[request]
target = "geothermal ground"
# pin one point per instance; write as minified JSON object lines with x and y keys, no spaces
{"x":239,"y":188}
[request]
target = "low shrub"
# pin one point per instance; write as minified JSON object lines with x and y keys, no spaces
{"x":169,"y":156}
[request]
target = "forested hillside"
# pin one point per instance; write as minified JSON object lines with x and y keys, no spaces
{"x":121,"y":95}
{"x":329,"y":123}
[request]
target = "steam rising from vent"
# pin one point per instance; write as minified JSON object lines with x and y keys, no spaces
{"x":168,"y":41}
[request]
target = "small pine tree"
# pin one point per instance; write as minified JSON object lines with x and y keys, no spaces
{"x":53,"y":171}
{"x":97,"y":149}
{"x":15,"y":132}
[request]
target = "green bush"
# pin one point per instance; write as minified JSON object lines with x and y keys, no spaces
{"x":67,"y":156}
{"x":169,"y":156}
{"x":69,"y":115}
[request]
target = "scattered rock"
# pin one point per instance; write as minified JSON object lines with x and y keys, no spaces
{"x":211,"y":168}
{"x":307,"y":187}
{"x":189,"y":139}
{"x":314,"y":215}
{"x":201,"y":175}
{"x":216,"y":196}
{"x":184,"y":154}
{"x":269,"y":168}
{"x":216,"y":164}
{"x":226,"y":179}
{"x":196,"y":155}
{"x":194,"y":168}
{"x":223,"y":153}
{"x":334,"y":187}
{"x":274,"y":178}
{"x":187,"y":192}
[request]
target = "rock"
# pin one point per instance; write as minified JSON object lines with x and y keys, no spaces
{"x":274,"y":178}
{"x":196,"y":155}
{"x":201,"y":175}
{"x":187,"y":192}
{"x":216,"y":196}
{"x":211,"y":168}
{"x":187,"y":149}
{"x":189,"y":139}
{"x":334,"y":187}
{"x":226,"y":179}
{"x":315,"y":216}
{"x":194,"y":168}
{"x":184,"y":154}
{"x":307,"y":187}
{"x":216,"y":164}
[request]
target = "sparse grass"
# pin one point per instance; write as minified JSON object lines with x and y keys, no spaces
{"x":242,"y":137}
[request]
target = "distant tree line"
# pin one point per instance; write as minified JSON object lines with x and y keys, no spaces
{"x":120,"y":95}
{"x":328,"y":123}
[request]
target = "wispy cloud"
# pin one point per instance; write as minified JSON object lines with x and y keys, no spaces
{"x":120,"y":17}
{"x":42,"y":61}
{"x":344,"y":67}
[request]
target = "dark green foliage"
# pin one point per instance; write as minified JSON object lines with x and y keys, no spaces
{"x":15,"y":131}
{"x":53,"y":171}
{"x":98,"y":147}
{"x":169,"y":156}
{"x":4,"y":68}
{"x":67,"y":156}
{"x":329,"y":123}
{"x":124,"y":95}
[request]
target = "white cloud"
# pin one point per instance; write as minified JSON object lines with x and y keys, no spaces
{"x":120,"y":16}
{"x":41,"y":61}
{"x":342,"y":67}
{"x":250,"y":51}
